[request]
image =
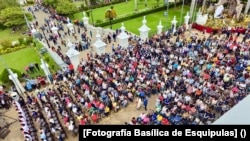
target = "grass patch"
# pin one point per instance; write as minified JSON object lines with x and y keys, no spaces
{"x":20,"y":59}
{"x":153,"y":20}
{"x":122,"y":9}
{"x":6,"y":34}
{"x":47,"y":58}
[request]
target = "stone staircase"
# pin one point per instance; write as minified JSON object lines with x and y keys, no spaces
{"x":4,"y":132}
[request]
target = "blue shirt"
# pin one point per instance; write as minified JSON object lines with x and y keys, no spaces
{"x":142,"y":93}
{"x":145,"y":102}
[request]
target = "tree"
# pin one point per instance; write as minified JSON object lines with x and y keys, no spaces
{"x":8,"y":3}
{"x":13,"y":16}
{"x":66,"y":7}
{"x":93,"y":2}
{"x":110,"y":14}
{"x":51,"y":3}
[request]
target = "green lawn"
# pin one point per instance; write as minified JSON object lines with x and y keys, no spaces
{"x":6,"y":34}
{"x":153,"y":20}
{"x":122,"y":9}
{"x":20,"y":59}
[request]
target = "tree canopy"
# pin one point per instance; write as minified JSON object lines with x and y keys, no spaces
{"x":66,"y":7}
{"x":50,"y":2}
{"x":8,"y":3}
{"x":13,"y":16}
{"x":110,"y":13}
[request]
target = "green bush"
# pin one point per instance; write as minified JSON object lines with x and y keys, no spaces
{"x":28,"y":41}
{"x":4,"y":77}
{"x":21,"y":40}
{"x":6,"y":44}
{"x":82,"y":7}
{"x":30,"y":2}
{"x":47,"y":59}
{"x":1,"y":52}
{"x":8,"y":50}
{"x":98,"y":21}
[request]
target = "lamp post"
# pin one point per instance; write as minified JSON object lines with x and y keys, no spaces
{"x":110,"y":18}
{"x":92,"y":19}
{"x":166,"y":13}
{"x":182,"y":8}
{"x":90,"y":11}
{"x":192,"y":10}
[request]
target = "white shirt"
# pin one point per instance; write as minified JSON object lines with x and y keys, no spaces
{"x":187,"y":98}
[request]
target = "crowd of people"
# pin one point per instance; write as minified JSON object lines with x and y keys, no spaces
{"x":196,"y":79}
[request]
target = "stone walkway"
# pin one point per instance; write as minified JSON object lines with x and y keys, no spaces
{"x":40,"y":19}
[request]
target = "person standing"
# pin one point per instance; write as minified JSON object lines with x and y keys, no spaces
{"x":139,"y":103}
{"x":145,"y":103}
{"x":109,"y":38}
{"x":114,"y":37}
{"x":37,"y":66}
{"x":90,"y":33}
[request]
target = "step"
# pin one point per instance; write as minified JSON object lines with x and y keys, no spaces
{"x":4,"y":132}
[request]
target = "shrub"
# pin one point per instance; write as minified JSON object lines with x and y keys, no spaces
{"x":4,"y":77}
{"x":47,"y":59}
{"x":6,"y":44}
{"x":30,"y":2}
{"x":98,"y":21}
{"x":82,"y":7}
{"x":21,"y":40}
{"x":52,"y":66}
{"x":2,"y":52}
{"x":29,"y":40}
{"x":8,"y":50}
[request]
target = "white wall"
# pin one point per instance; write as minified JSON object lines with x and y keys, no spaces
{"x":239,"y":114}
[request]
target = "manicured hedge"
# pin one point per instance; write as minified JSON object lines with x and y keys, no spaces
{"x":83,"y":8}
{"x":118,"y":20}
{"x":8,"y":50}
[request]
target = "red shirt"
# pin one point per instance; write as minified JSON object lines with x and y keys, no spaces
{"x":71,"y":67}
{"x":94,"y":117}
{"x":82,"y":122}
